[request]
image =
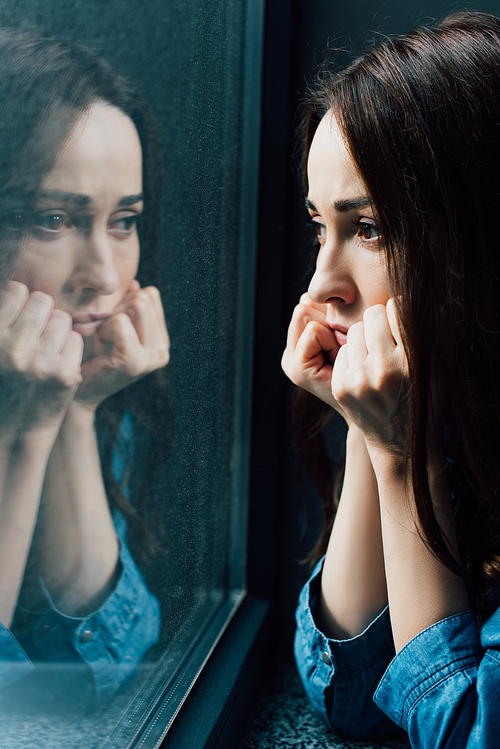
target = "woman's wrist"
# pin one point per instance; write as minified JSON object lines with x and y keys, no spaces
{"x":79,"y":415}
{"x":355,"y":437}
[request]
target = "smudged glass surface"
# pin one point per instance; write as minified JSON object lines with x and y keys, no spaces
{"x":191,"y":62}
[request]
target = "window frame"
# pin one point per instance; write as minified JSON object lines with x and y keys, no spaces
{"x":219,"y":705}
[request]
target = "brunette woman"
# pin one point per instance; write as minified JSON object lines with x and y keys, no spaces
{"x":399,"y":333}
{"x":80,"y":232}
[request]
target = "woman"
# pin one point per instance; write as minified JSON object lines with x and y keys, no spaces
{"x":399,"y":333}
{"x":76,"y":329}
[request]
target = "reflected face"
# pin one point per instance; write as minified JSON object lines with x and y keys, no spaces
{"x":350,"y":269}
{"x":83,"y":247}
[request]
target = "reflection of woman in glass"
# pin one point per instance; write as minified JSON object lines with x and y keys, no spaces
{"x":78,"y":175}
{"x":400,"y":333}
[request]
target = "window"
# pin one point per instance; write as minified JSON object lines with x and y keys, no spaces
{"x":199,"y":66}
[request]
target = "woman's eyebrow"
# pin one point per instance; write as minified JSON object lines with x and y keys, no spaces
{"x":131,"y":199}
{"x":344,"y":206}
{"x":82,"y":201}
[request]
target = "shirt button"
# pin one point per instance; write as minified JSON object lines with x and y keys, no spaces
{"x":326,"y":658}
{"x":45,"y":630}
{"x":86,"y":636}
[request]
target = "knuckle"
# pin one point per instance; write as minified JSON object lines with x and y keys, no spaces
{"x":153,"y":292}
{"x":70,"y":379}
{"x":61,"y":317}
{"x":373,"y":312}
{"x":285,"y":365}
{"x":120,"y":320}
{"x":41,"y":299}
{"x":17,"y":289}
{"x":304,"y":310}
{"x":44,"y":368}
{"x":164,"y":353}
{"x":355,"y":328}
{"x":340,"y":391}
{"x":136,"y":369}
{"x":141,"y":303}
{"x":18,"y":360}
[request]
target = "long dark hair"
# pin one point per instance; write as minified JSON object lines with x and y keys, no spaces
{"x":421,"y":116}
{"x":45,"y":86}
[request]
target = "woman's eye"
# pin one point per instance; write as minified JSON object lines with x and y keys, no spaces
{"x":319,"y":230}
{"x":15,"y":219}
{"x":51,"y":221}
{"x":124,"y":224}
{"x":367,"y":231}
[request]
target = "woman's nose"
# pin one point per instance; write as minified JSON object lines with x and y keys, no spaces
{"x":332,"y":282}
{"x":96,"y":268}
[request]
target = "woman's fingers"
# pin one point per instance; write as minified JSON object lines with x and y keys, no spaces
{"x":356,"y":347}
{"x":309,"y":365}
{"x":40,"y":358}
{"x":137,"y":343}
{"x":378,"y":334}
{"x":316,"y":342}
{"x":370,"y":377}
{"x":311,"y":349}
{"x":12,"y":300}
{"x":138,"y":330}
{"x":393,"y":320}
{"x":303,"y":314}
{"x":145,"y":310}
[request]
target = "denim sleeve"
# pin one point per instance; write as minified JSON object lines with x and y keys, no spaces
{"x":340,"y":676}
{"x":443,"y":687}
{"x":111,"y":641}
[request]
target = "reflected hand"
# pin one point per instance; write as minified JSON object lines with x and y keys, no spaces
{"x":40,"y":359}
{"x":370,"y":379}
{"x":128,"y":345}
{"x":311,"y":350}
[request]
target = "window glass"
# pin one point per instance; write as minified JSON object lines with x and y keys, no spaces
{"x":109,"y":664}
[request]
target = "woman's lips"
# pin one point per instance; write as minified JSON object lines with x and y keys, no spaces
{"x":340,"y":333}
{"x":89,"y":324}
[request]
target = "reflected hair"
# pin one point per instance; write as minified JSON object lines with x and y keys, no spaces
{"x":420,"y":114}
{"x":45,"y":86}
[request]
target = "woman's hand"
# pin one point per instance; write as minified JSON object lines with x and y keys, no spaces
{"x":311,"y":349}
{"x":130,"y":344}
{"x":40,"y":359}
{"x":370,"y":379}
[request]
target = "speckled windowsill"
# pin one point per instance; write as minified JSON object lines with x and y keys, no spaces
{"x":285,"y":719}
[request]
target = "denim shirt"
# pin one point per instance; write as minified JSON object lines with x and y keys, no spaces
{"x":443,"y":687}
{"x":111,"y":641}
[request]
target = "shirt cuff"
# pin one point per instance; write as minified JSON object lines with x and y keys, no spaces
{"x":434,"y":656}
{"x":372,"y":645}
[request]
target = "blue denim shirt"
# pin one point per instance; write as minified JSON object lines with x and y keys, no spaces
{"x":443,"y":687}
{"x":111,"y":641}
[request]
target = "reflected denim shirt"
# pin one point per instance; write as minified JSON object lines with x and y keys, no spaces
{"x":111,"y":641}
{"x":443,"y":687}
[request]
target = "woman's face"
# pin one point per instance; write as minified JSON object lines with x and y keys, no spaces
{"x":350,"y":271}
{"x":83,"y":247}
